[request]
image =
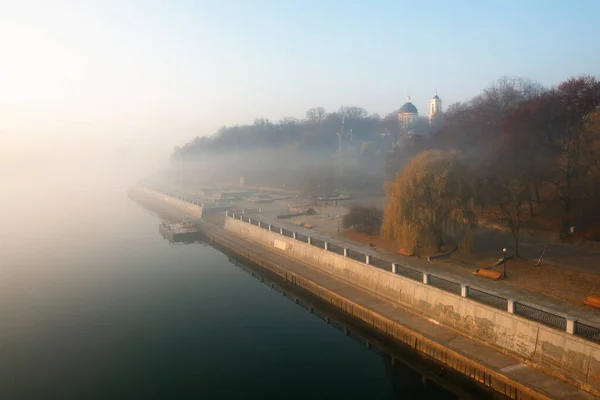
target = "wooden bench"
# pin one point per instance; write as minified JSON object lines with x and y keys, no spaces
{"x":592,"y":301}
{"x":488,"y":273}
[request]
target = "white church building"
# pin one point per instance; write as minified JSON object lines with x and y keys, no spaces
{"x":408,"y":113}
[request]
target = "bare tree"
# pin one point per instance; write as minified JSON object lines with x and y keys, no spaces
{"x":316,"y":114}
{"x":575,"y":101}
{"x":363,"y":219}
{"x":319,"y":181}
{"x":352,"y":112}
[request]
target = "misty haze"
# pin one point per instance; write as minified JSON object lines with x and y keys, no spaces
{"x":311,"y":200}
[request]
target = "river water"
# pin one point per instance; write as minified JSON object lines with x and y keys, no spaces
{"x":95,"y":304}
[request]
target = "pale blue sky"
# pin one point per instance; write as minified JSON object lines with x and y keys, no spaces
{"x":154,"y":74}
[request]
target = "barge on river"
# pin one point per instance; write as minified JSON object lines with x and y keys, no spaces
{"x":183,"y":231}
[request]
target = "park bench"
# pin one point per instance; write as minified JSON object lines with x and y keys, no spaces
{"x":592,"y":301}
{"x":405,"y":253}
{"x":488,"y":273}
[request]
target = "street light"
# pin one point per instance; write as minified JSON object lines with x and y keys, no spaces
{"x":338,"y":222}
{"x":504,"y":260}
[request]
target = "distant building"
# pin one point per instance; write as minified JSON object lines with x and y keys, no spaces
{"x":408,"y":115}
{"x":435,"y":107}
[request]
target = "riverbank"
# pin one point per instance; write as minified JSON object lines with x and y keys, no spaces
{"x":488,"y":366}
{"x":391,"y":351}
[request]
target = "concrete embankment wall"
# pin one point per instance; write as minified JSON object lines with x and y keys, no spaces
{"x":192,"y":210}
{"x":556,"y":352}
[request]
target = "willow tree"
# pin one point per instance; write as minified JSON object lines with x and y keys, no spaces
{"x":430,"y":199}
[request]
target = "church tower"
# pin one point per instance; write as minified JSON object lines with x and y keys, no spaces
{"x":435,"y":106}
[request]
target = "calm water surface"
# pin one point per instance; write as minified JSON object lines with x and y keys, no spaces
{"x":95,"y":304}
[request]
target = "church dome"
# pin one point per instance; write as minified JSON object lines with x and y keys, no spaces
{"x":408,"y":108}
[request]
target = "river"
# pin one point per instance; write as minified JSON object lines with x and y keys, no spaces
{"x":95,"y":304}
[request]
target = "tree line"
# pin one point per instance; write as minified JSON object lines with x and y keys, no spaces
{"x":317,"y":131}
{"x":516,"y":153}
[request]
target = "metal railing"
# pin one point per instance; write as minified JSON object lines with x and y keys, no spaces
{"x":488,"y":298}
{"x":302,"y":238}
{"x":445,"y":284}
{"x":379,"y":263}
{"x":334,"y":248}
{"x":544,"y":317}
{"x":356,"y":256}
{"x":274,"y":228}
{"x":317,"y":243}
{"x":587,"y":331}
{"x":409,"y":273}
{"x":287,"y":233}
{"x":547,"y":318}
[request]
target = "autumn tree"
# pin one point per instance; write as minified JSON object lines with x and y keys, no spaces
{"x":575,"y":100}
{"x":591,"y":177}
{"x":508,"y":189}
{"x":518,"y":165}
{"x":429,"y":200}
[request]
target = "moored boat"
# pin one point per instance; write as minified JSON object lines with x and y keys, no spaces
{"x":182,"y":231}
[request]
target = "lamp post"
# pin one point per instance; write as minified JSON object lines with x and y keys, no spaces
{"x":504,"y":260}
{"x":338,"y":222}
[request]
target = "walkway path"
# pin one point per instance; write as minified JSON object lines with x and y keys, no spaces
{"x":485,"y":356}
{"x":563,"y":284}
{"x":457,"y":274}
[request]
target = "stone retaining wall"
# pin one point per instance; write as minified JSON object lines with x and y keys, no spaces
{"x":193,"y":210}
{"x":556,"y":352}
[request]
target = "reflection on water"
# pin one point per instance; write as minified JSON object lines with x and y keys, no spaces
{"x":407,"y":371}
{"x":95,"y":304}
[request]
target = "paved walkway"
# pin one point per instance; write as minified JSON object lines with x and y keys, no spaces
{"x":586,"y":259}
{"x":456,"y":274}
{"x":488,"y":357}
{"x":461,"y":274}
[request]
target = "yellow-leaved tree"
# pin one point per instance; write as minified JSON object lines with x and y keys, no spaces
{"x":430,"y":199}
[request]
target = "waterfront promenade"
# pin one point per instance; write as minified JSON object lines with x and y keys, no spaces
{"x":487,"y":365}
{"x":454,"y":273}
{"x":476,"y":359}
